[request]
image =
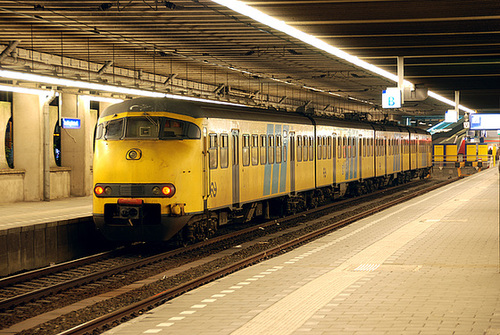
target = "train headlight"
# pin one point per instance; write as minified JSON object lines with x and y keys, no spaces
{"x":156,"y":190}
{"x":168,"y":190}
{"x":98,"y":190}
{"x":107,"y":190}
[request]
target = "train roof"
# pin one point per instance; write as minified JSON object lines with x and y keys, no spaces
{"x":200,"y":109}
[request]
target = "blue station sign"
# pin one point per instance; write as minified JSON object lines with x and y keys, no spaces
{"x":68,"y":123}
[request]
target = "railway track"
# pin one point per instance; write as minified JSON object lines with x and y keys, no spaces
{"x":106,"y":266}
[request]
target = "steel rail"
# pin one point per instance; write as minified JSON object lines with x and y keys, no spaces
{"x":166,"y":295}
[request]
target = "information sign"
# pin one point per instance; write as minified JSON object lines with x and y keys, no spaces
{"x":484,"y":121}
{"x":68,"y":123}
{"x":391,"y":98}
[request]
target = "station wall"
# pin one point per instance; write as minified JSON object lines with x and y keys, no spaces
{"x":29,"y":132}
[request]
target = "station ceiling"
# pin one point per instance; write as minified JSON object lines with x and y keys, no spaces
{"x":201,"y":48}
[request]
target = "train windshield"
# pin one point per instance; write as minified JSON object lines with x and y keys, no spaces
{"x":147,"y":127}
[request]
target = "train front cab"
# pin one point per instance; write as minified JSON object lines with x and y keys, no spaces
{"x":147,"y":174}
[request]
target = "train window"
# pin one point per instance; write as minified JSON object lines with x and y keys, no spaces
{"x":292,"y":148}
{"x":255,"y":149}
{"x":349,"y":147}
{"x":285,"y":147}
{"x":354,"y":147}
{"x":363,"y":144}
{"x":245,"y":153}
{"x":263,"y":149}
{"x":329,"y":144}
{"x":99,"y":131}
{"x":113,"y":130}
{"x":325,"y":147}
{"x":224,"y":161}
{"x":279,"y":150}
{"x":311,"y":148}
{"x":339,"y":147}
{"x":344,"y":147}
{"x":270,"y":150}
{"x":144,"y":127}
{"x":299,"y":148}
{"x":320,"y":148}
{"x":212,"y":151}
{"x":305,"y":151}
{"x":334,"y":146}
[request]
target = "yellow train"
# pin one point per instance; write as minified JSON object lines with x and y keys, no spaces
{"x":167,"y":168}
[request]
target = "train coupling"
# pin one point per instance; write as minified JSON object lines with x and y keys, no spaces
{"x":130,"y":209}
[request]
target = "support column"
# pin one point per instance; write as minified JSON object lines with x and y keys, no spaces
{"x":75,"y":145}
{"x":401,"y":78}
{"x":28,"y":142}
{"x":5,"y":115}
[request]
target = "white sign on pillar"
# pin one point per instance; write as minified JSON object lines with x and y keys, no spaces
{"x":391,"y":98}
{"x":451,"y":116}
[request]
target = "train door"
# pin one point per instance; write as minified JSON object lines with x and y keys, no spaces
{"x":235,"y":149}
{"x":334,"y":156}
{"x":292,"y":162}
{"x":385,"y":153}
{"x":359,"y":148}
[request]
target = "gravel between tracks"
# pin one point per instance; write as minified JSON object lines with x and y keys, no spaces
{"x":85,"y":314}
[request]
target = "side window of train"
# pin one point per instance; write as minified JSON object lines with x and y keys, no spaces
{"x":255,"y":150}
{"x":349,"y":147}
{"x":320,"y":148}
{"x":329,"y":144}
{"x":285,"y":148}
{"x":245,"y":159}
{"x":325,"y":147}
{"x":292,"y":147}
{"x":299,"y":148}
{"x":279,"y":146}
{"x":344,"y":147}
{"x":339,"y":147}
{"x":270,"y":150}
{"x":263,"y":149}
{"x":334,"y":146}
{"x":305,"y":150}
{"x":224,"y":147}
{"x":311,"y":148}
{"x":213,"y":149}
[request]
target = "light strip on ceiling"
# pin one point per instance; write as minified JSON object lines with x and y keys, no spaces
{"x":18,"y":89}
{"x":100,"y":87}
{"x":270,"y":21}
{"x":101,"y":99}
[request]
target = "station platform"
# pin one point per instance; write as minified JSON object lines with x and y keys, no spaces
{"x":22,"y":214}
{"x":37,"y":234}
{"x":428,"y":266}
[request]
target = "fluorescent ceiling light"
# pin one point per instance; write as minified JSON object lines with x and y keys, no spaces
{"x":98,"y":87}
{"x":26,"y":90}
{"x":270,"y":21}
{"x":102,"y":99}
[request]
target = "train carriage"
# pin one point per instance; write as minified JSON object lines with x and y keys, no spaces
{"x":168,"y":167}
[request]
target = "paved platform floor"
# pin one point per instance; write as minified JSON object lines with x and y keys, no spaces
{"x":21,"y":214}
{"x":428,"y":266}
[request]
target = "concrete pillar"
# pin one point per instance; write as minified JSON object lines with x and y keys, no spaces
{"x":76,"y":147}
{"x":53,"y":119}
{"x":5,"y":115}
{"x":28,"y":142}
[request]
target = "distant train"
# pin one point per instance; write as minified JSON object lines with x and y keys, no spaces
{"x":168,"y":168}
